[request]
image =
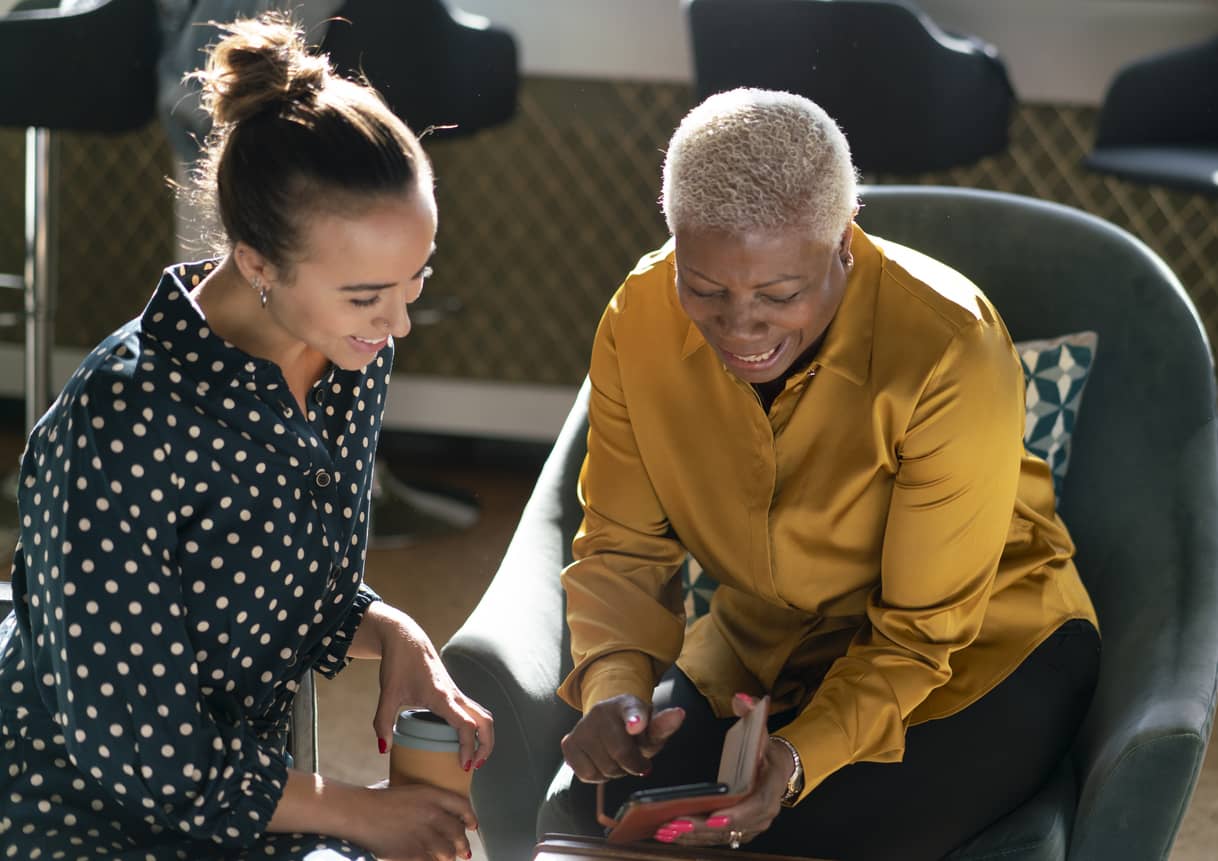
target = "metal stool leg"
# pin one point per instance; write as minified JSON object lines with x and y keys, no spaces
{"x":302,"y":730}
{"x":40,"y":273}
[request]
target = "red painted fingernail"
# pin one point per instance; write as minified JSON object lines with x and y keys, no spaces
{"x":468,"y":765}
{"x":381,"y":746}
{"x":665,"y":836}
{"x":745,"y":698}
{"x":479,"y":764}
{"x":718,"y":821}
{"x":634,"y":720}
{"x":468,"y":855}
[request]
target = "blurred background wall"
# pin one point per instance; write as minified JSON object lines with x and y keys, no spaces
{"x":541,"y":218}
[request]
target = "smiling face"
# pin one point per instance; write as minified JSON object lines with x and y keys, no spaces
{"x":761,"y":298}
{"x":349,"y":289}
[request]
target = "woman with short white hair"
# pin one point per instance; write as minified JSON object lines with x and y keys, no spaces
{"x":832,"y":426}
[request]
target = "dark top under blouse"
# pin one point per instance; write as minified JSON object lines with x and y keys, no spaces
{"x":190,"y":546}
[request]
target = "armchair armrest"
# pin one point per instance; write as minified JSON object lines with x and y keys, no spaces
{"x":512,"y":652}
{"x":1140,"y":753}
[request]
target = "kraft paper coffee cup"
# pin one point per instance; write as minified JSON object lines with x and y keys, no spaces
{"x":425,"y":750}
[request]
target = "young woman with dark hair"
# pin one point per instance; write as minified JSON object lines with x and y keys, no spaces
{"x":195,"y":509}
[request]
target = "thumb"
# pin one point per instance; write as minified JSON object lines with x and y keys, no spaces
{"x":383,"y":720}
{"x":665,"y":723}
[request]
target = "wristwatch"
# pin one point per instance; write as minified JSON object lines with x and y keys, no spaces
{"x":795,"y":783}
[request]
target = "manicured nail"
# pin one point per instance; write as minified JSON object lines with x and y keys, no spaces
{"x":634,"y":720}
{"x":468,"y":855}
{"x":381,"y":746}
{"x":681,"y":826}
{"x":468,"y":765}
{"x":665,"y":836}
{"x":479,"y":764}
{"x":646,"y":773}
{"x":745,"y":698}
{"x":719,"y":821}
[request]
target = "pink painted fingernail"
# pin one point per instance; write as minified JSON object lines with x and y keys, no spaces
{"x":681,"y":826}
{"x":381,"y":745}
{"x":665,"y":836}
{"x":634,"y":720}
{"x":745,"y":698}
{"x":719,"y":821}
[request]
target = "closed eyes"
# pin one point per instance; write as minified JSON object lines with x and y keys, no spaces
{"x":424,"y":274}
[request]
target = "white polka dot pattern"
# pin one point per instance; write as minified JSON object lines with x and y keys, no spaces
{"x":191,"y":544}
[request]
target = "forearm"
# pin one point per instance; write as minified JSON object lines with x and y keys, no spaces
{"x":368,"y":641}
{"x":312,"y":804}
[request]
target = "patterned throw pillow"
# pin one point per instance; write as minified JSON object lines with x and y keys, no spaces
{"x":1055,"y":371}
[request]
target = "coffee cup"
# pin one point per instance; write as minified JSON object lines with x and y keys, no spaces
{"x":426,"y":750}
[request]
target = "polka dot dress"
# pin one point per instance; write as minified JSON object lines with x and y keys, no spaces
{"x":191,"y":544}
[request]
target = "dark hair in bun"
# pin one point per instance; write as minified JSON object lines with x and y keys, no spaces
{"x":291,"y":138}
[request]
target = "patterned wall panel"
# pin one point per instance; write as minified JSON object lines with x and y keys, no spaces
{"x":541,"y":218}
{"x":115,"y":225}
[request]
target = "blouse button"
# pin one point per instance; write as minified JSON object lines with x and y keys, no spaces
{"x":319,"y":396}
{"x":322,"y":478}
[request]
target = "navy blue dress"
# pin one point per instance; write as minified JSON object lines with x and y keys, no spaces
{"x":190,"y":546}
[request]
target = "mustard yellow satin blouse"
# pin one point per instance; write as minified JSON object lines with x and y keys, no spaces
{"x":887,"y":551}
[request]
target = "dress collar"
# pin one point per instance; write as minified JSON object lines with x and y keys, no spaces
{"x":175,"y":321}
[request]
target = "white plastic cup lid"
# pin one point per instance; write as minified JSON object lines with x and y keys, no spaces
{"x":422,"y":730}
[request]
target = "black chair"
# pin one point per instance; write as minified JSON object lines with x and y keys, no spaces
{"x":1159,"y":121}
{"x":1141,"y":500}
{"x":435,"y":66}
{"x":91,"y":70}
{"x":909,"y":96}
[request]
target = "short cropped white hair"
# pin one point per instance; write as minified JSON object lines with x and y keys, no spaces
{"x":749,"y":159}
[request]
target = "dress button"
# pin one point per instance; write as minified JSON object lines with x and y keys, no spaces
{"x":319,"y":396}
{"x":322,"y":478}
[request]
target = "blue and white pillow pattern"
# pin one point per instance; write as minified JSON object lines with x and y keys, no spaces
{"x":1055,"y":373}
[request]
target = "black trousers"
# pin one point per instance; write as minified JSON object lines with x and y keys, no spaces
{"x":959,"y":774}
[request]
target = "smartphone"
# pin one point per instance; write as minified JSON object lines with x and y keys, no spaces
{"x":667,"y":793}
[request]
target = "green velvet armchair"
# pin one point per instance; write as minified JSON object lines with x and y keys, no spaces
{"x":1140,"y":498}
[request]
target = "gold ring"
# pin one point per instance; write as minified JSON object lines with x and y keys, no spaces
{"x":733,"y":839}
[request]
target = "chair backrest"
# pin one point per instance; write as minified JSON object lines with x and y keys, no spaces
{"x":909,"y":97}
{"x":1142,"y":485}
{"x":1166,"y":99}
{"x":87,"y":70}
{"x":433,"y":65}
